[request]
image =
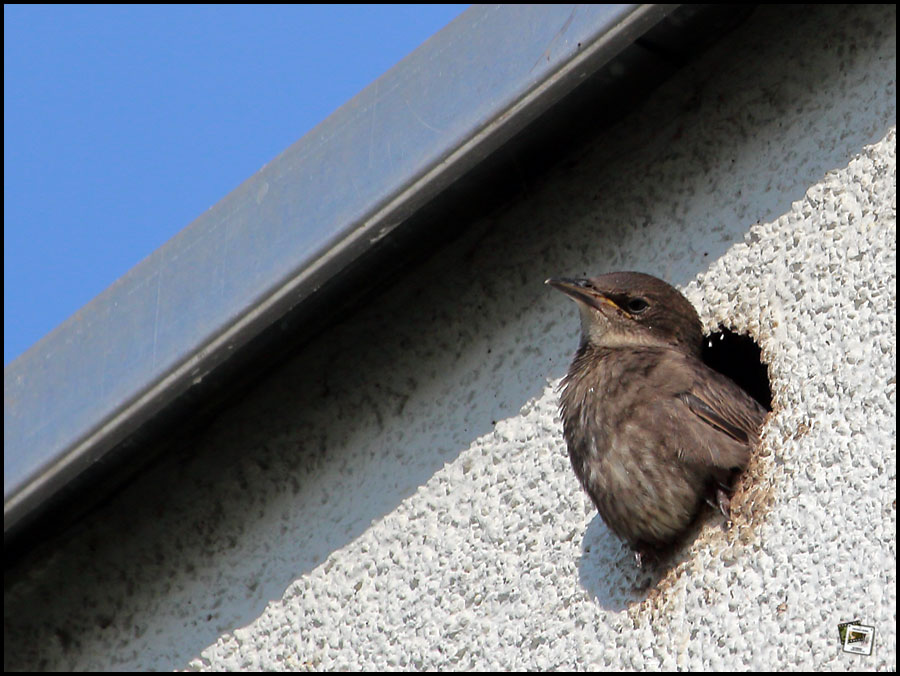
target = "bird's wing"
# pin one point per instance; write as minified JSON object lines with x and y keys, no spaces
{"x":726,"y":421}
{"x":705,"y":411}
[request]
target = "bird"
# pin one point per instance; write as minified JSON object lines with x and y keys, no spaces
{"x":652,"y":432}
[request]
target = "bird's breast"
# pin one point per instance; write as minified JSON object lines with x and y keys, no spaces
{"x":618,"y":450}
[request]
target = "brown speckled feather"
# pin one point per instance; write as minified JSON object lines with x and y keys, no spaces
{"x":651,"y":430}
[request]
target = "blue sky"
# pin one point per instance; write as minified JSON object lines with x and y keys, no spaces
{"x":122,"y":124}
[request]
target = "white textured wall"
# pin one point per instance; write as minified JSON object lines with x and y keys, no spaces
{"x":399,"y":495}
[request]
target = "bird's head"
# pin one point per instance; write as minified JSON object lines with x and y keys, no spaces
{"x":631,"y":309}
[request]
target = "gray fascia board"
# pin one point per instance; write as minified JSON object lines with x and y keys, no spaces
{"x":278,"y":237}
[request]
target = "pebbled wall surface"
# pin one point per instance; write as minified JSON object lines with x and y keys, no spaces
{"x":398,"y":496}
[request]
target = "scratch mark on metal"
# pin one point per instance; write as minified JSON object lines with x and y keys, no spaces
{"x":559,"y":34}
{"x":421,"y":121}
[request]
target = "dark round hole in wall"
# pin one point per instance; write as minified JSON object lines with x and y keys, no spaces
{"x":739,"y":358}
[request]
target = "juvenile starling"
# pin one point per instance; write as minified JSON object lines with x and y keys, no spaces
{"x":652,"y":431}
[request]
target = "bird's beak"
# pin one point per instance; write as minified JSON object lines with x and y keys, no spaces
{"x":581,"y":291}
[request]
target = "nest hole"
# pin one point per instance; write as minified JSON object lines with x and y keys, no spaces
{"x":740,"y":358}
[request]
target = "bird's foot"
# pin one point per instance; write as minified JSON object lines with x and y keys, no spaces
{"x":645,"y":556}
{"x":723,"y":503}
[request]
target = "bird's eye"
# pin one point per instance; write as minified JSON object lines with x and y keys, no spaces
{"x":636,"y":305}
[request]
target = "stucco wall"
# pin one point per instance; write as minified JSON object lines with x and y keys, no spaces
{"x":399,"y":496}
